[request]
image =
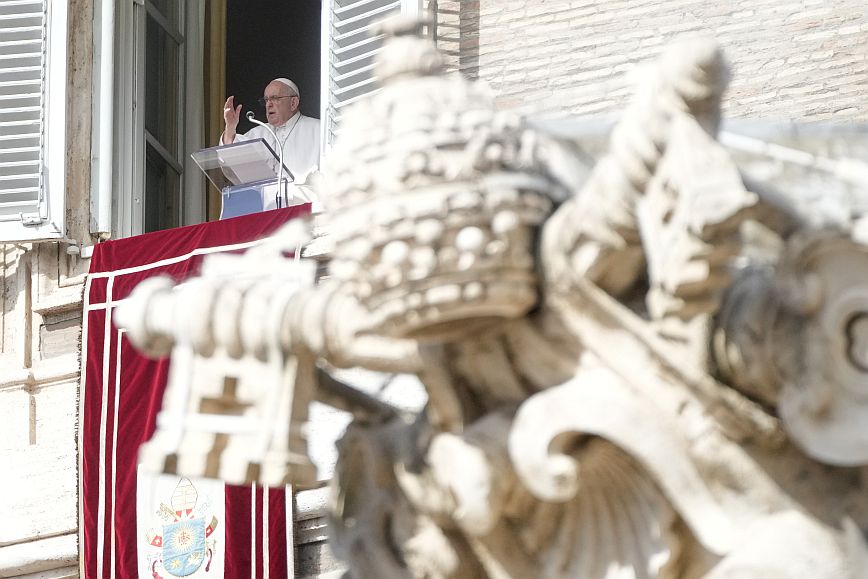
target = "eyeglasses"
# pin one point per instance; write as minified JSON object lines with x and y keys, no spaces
{"x":266,"y":100}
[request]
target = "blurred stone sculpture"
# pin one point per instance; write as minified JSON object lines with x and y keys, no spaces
{"x":619,"y":384}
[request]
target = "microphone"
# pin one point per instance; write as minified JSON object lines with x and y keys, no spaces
{"x":252,"y":118}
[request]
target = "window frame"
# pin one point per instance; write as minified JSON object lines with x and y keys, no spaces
{"x":129,"y":131}
{"x":149,"y":140}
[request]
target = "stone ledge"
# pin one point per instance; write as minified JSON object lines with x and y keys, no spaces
{"x":39,"y":555}
{"x":53,"y":370}
{"x":61,"y":573}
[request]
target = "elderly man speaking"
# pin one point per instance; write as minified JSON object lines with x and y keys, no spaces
{"x":296,"y":133}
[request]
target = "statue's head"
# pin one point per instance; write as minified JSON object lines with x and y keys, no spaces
{"x":435,"y":199}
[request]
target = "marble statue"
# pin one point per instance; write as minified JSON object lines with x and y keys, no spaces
{"x":624,"y":378}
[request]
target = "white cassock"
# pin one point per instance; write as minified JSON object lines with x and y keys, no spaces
{"x":300,"y":137}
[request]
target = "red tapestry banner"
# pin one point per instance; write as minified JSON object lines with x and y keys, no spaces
{"x":138,"y":525}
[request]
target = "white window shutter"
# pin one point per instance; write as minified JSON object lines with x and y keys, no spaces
{"x":32,"y":119}
{"x":349,"y":48}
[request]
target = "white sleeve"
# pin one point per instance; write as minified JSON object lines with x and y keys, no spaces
{"x":239,"y":137}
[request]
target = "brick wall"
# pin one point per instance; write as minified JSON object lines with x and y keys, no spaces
{"x":791,"y":59}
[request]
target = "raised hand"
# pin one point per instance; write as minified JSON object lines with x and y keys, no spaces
{"x":231,"y":114}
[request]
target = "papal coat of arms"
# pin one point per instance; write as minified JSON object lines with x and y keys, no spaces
{"x":185,"y":542}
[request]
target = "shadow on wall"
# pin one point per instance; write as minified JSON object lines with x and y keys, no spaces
{"x":469,"y":27}
{"x":456,"y":31}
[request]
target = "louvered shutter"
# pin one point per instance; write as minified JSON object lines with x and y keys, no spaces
{"x":31,"y":158}
{"x":348,"y":55}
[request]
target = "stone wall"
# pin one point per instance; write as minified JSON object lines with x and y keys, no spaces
{"x":41,"y":323}
{"x":791,"y":59}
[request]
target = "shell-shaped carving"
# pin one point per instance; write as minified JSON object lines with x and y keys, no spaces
{"x":551,"y":427}
{"x":619,"y":525}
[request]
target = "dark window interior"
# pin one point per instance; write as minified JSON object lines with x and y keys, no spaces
{"x":267,"y":39}
{"x":164,"y":38}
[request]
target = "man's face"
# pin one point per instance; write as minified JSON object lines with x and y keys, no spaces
{"x":281,"y":103}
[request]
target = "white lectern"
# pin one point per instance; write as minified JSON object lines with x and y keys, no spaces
{"x":246,"y":174}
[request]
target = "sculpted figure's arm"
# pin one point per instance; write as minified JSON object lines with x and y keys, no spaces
{"x":231,"y":114}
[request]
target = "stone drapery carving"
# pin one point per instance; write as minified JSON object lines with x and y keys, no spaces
{"x":616,"y":387}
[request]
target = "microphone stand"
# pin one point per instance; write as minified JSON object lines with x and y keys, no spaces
{"x":279,"y":145}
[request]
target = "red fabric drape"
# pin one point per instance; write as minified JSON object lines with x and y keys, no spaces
{"x":122,"y":394}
